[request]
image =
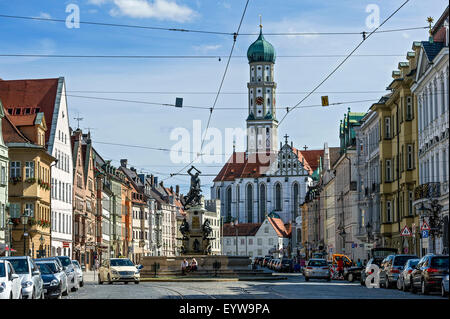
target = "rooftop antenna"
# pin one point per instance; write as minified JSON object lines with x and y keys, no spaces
{"x":78,"y":120}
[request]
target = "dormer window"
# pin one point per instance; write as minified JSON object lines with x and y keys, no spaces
{"x":10,"y":111}
{"x":17,"y":111}
{"x":37,"y":110}
{"x":27,"y":110}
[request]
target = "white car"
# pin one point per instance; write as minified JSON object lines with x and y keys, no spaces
{"x":10,"y":284}
{"x":79,"y":272}
{"x":444,"y":286}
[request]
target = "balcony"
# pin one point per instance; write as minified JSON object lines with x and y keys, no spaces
{"x":427,"y":191}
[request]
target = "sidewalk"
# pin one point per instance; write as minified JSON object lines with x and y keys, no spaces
{"x":89,"y":276}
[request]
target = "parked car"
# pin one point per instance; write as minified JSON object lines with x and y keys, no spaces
{"x":266,"y":261}
{"x":118,"y":269}
{"x":444,"y":286}
{"x":317,"y":268}
{"x":52,"y":285}
{"x":404,"y":279}
{"x":79,"y":272}
{"x":57,"y":268}
{"x":353,"y":273}
{"x":70,"y":272}
{"x":10,"y":285}
{"x":287,"y":265}
{"x":30,"y":276}
{"x":377,"y":255}
{"x":429,"y":273}
{"x":391,"y":268}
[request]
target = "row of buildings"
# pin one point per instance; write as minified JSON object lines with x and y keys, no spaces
{"x":58,"y":196}
{"x":387,"y":182}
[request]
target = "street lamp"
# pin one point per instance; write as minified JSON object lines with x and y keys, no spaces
{"x":234,"y":224}
{"x":24,"y":219}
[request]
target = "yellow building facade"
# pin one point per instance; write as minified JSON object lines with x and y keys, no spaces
{"x":397,"y":116}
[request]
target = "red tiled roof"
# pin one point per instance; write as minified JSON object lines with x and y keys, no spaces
{"x":312,"y":157}
{"x":278,"y":225}
{"x":245,"y":229}
{"x":23,"y":120}
{"x":11,"y":133}
{"x":240,"y":167}
{"x":39,"y":93}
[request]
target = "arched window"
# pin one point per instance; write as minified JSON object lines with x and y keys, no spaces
{"x":262,"y":202}
{"x":249,"y":203}
{"x":295,"y":200}
{"x":228,"y":203}
{"x":278,"y":196}
{"x":218,"y":193}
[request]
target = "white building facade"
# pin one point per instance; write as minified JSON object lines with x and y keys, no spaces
{"x":432,"y":91}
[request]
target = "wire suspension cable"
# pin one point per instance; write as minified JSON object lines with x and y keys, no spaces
{"x":343,"y":61}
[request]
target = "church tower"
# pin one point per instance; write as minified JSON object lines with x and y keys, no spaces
{"x":262,"y":126}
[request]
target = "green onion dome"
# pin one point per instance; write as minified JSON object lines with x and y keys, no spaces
{"x":261,"y":51}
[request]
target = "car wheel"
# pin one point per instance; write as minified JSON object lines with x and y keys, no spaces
{"x":412,"y":288}
{"x":136,"y":282}
{"x":125,"y":282}
{"x":386,"y":283}
{"x":329,"y":278}
{"x":404,"y":286}
{"x":306,"y":279}
{"x":424,"y":288}
{"x":81,"y":283}
{"x":350,"y":277}
{"x":442,"y":290}
{"x":109,"y":279}
{"x":100,"y":282}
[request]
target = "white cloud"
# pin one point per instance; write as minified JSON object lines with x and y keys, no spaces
{"x":207,"y":47}
{"x":45,"y":15}
{"x":158,"y":9}
{"x":97,"y":2}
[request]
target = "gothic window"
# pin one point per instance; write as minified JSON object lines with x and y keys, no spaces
{"x":268,"y":101}
{"x":278,"y":197}
{"x":262,"y":202}
{"x":228,"y":203}
{"x":218,"y":193}
{"x":295,"y":200}
{"x":249,"y":203}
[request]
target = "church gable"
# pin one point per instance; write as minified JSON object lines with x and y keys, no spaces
{"x":288,"y":163}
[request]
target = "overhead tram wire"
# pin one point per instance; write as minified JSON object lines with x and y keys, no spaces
{"x":194,"y":57}
{"x":343,"y":61}
{"x":235,"y":35}
{"x":200,"y":31}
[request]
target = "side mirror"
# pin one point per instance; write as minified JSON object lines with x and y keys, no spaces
{"x":83,"y":268}
{"x":36,"y":273}
{"x":140,"y":267}
{"x":14,"y":276}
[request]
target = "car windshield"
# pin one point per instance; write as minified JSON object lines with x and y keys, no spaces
{"x":20,"y":265}
{"x":2,"y":270}
{"x":317,"y":263}
{"x":51,"y":266}
{"x":121,"y":262}
{"x":45,"y":270}
{"x":75,"y":262}
{"x":65,"y":261}
{"x":439,"y":262}
{"x":401,"y":260}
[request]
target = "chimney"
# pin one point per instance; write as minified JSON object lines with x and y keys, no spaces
{"x":123,"y":163}
{"x":152,"y":180}
{"x":177,"y":189}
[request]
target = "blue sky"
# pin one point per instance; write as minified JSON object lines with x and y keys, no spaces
{"x":138,"y":124}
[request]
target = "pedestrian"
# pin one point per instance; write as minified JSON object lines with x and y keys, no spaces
{"x":193,"y":265}
{"x":359,"y":263}
{"x":184,"y":265}
{"x":340,"y":266}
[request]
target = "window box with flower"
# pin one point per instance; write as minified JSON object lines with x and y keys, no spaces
{"x":15,"y":179}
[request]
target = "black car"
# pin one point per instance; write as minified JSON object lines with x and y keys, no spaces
{"x":353,"y":273}
{"x":287,"y":265}
{"x":429,"y":273}
{"x":52,"y":285}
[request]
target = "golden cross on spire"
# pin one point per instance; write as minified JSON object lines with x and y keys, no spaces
{"x":430,"y":21}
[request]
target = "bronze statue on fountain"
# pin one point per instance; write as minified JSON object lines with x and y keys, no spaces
{"x":194,"y":195}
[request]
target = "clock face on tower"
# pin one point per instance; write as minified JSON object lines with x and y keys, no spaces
{"x":259,"y":100}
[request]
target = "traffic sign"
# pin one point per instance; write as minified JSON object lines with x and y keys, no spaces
{"x":325,"y":101}
{"x":405,"y":231}
{"x":424,"y":233}
{"x":425,"y":226}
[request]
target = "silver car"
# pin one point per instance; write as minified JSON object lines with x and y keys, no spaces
{"x":69,"y":268}
{"x":444,"y":286}
{"x":318,"y":269}
{"x":79,"y":272}
{"x":57,"y":268}
{"x":30,"y":276}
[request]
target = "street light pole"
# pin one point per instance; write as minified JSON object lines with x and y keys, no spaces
{"x":24,"y":222}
